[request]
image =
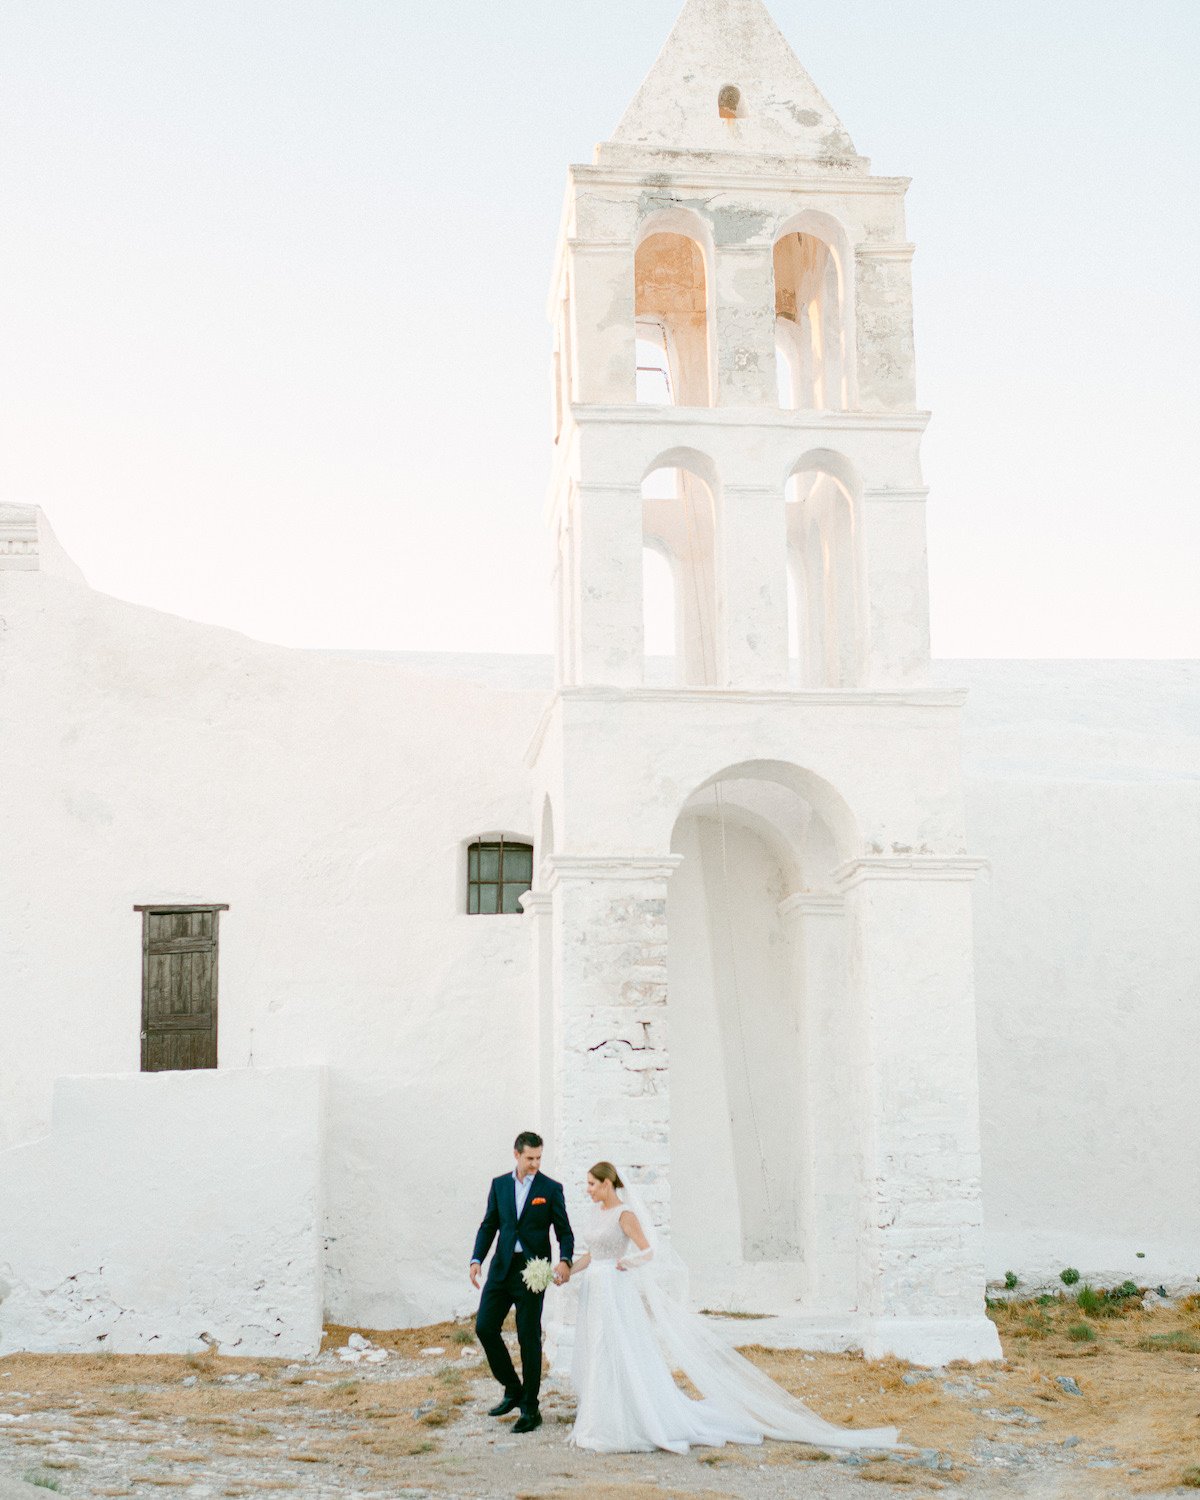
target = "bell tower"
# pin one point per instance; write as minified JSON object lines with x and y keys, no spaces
{"x":753,"y":906}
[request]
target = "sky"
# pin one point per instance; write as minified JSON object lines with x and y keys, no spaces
{"x":273,"y":278}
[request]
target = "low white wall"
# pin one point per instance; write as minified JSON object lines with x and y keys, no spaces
{"x":166,"y":1210}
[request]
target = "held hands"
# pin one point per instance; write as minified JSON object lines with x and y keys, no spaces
{"x":562,"y":1273}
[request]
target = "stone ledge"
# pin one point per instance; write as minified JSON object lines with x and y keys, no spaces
{"x":932,"y":1341}
{"x":907,"y":867}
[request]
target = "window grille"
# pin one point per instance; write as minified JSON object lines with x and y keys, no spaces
{"x":498,"y":875}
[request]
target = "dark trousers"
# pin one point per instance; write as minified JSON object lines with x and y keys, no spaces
{"x":499,"y":1294}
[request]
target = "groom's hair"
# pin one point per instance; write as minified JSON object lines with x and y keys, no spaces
{"x":527,"y":1138}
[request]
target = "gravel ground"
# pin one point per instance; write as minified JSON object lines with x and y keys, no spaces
{"x":402,"y":1424}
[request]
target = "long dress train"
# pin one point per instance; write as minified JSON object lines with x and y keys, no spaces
{"x":628,"y":1328}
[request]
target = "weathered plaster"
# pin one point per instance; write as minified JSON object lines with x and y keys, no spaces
{"x":168,"y":1212}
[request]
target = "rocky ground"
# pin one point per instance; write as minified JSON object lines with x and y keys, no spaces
{"x":1111,"y":1411}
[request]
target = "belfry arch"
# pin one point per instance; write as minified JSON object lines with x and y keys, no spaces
{"x":824,"y":557}
{"x":673,"y":311}
{"x":814,"y":320}
{"x":680,"y":523}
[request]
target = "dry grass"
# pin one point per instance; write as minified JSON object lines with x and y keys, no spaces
{"x":1139,"y":1378}
{"x":844,"y":1389}
{"x":408,"y":1342}
{"x":885,"y":1472}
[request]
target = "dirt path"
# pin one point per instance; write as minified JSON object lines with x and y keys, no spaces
{"x":406,"y":1419}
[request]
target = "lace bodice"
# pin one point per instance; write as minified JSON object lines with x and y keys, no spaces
{"x":605,"y":1237}
{"x":609,"y":1243}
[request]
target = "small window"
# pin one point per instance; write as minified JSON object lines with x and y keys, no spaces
{"x":729,"y":102}
{"x":498,"y":875}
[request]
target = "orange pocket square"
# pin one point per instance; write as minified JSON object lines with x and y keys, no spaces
{"x":536,"y":1201}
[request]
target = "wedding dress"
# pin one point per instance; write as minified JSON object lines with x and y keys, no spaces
{"x":630,"y":1334}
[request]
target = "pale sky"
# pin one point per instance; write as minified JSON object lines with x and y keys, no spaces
{"x":273,"y":276}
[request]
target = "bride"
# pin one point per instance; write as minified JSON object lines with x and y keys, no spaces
{"x":628,"y":1399}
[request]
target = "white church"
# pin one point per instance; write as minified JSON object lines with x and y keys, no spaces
{"x":881,"y":973}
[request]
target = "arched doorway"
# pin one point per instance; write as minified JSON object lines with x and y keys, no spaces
{"x":766,"y":1105}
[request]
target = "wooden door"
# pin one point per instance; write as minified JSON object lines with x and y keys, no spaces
{"x":179,"y":987}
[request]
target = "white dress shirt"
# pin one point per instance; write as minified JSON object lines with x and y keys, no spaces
{"x":523,"y":1189}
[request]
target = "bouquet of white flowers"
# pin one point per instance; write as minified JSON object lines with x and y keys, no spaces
{"x":537,"y":1275}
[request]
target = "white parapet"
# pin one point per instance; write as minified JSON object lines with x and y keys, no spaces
{"x":932,"y":1341}
{"x":28,"y":543}
{"x":168,"y":1213}
{"x":929,"y":1342}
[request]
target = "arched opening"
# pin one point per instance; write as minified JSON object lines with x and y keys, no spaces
{"x":824,"y":570}
{"x":729,"y":102}
{"x":659,"y":612}
{"x":679,"y":539}
{"x":764,"y":1082}
{"x":786,"y":367}
{"x":671,"y":309}
{"x":795,"y":585}
{"x":813,"y":346}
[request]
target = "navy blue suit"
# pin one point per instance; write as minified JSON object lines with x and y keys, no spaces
{"x":545,"y":1209}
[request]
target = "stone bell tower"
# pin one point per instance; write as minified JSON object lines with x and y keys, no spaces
{"x":752,"y":914}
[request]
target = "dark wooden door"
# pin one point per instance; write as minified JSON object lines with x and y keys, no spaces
{"x":179,"y":987}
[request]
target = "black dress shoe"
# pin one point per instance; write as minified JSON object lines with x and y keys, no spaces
{"x":510,"y":1403}
{"x":528,"y":1421}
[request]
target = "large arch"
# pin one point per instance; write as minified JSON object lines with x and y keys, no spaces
{"x":815,"y":344}
{"x":763,"y":1056}
{"x":803,"y":784}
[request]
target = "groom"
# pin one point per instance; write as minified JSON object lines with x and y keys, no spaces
{"x":522,"y":1205}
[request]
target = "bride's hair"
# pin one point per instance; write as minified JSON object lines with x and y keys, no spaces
{"x":604,"y":1171}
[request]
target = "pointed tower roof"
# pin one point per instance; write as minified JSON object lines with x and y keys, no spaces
{"x":727,"y":80}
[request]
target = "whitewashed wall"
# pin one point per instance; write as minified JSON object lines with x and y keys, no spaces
{"x":168,"y":1212}
{"x":1083,"y":789}
{"x":326,"y":799}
